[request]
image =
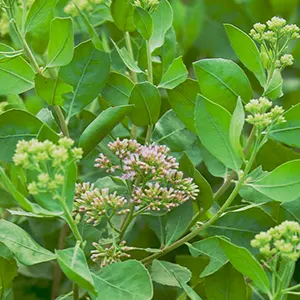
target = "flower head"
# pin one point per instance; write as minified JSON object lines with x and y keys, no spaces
{"x":282,"y":240}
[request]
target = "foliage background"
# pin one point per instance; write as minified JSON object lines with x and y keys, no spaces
{"x":200,"y":33}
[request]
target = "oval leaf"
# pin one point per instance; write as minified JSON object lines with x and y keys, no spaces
{"x":143,"y":22}
{"x":247,"y":51}
{"x":212,"y":125}
{"x":25,"y":249}
{"x":146,"y":98}
{"x":128,"y":280}
{"x":222,"y":81}
{"x":87,"y":74}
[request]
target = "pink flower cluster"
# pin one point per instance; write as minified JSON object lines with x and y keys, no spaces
{"x":157,"y":183}
{"x":96,"y":203}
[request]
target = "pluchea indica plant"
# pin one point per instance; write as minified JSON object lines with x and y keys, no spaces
{"x":132,"y":169}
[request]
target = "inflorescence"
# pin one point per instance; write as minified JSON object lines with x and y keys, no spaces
{"x":83,"y":5}
{"x":149,"y":5}
{"x":110,"y":254}
{"x":260,"y":117}
{"x":274,"y":37}
{"x":48,"y":160}
{"x":95,"y":203}
{"x":281,"y":241}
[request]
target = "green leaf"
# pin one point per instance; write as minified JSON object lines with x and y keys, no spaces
{"x":61,"y":43}
{"x":183,"y":101}
{"x":177,"y":221}
{"x":176,"y":74}
{"x":188,"y":290}
{"x":204,"y":199}
{"x":87,"y":74}
{"x":146,"y":98}
{"x":92,"y":32}
{"x":117,"y":89}
{"x":25,"y":249}
{"x":161,"y":272}
{"x":236,"y":128}
{"x":288,"y":132}
{"x":212,"y":125}
{"x":39,"y":11}
{"x":241,"y":225}
{"x":122,"y":13}
{"x":8,"y":271}
{"x":16,"y":125}
{"x":244,"y":262}
{"x":51,"y":90}
{"x":102,"y":125}
{"x":282,"y":184}
{"x":143,"y":22}
{"x":17,"y":75}
{"x":73,"y":263}
{"x":162,"y":21}
{"x":170,"y":131}
{"x":222,"y":81}
{"x":226,"y":284}
{"x":128,"y":280}
{"x":274,"y":89}
{"x":127,"y":59}
{"x":211,"y":248}
{"x":247,"y":51}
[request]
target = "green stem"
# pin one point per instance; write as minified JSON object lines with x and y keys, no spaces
{"x":295,"y":287}
{"x":70,"y":221}
{"x":130,"y":51}
{"x":62,"y":122}
{"x":148,"y":135}
{"x":149,"y":62}
{"x":24,"y":12}
{"x":128,"y":220}
{"x":75,"y":292}
{"x":213,"y":219}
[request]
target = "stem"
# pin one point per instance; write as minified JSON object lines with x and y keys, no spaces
{"x":127,"y":222}
{"x":149,"y":62}
{"x":130,"y":51}
{"x":62,"y":122}
{"x":70,"y":221}
{"x":24,"y":12}
{"x":214,"y":218}
{"x":148,"y":135}
{"x":75,"y":292}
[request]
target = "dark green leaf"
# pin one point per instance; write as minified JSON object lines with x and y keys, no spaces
{"x":161,"y":272}
{"x":170,"y":131}
{"x":87,"y":74}
{"x":61,"y":43}
{"x":177,"y":221}
{"x":146,"y":98}
{"x":183,"y":101}
{"x":211,"y":248}
{"x":16,"y":125}
{"x":102,"y":125}
{"x":176,"y":74}
{"x":226,"y":284}
{"x":143,"y":22}
{"x":122,"y":13}
{"x":51,"y":90}
{"x":247,"y":52}
{"x":205,"y":197}
{"x":128,"y":280}
{"x":222,"y":81}
{"x":25,"y":249}
{"x":73,"y":263}
{"x":8,"y":271}
{"x":117,"y":89}
{"x":212,"y":125}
